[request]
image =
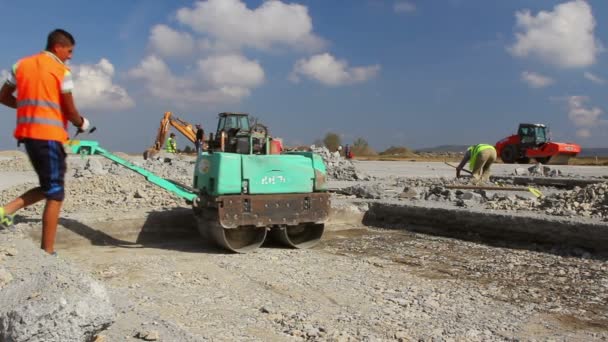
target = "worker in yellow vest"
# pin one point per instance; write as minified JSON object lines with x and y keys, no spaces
{"x":480,"y":158}
{"x":171,"y":144}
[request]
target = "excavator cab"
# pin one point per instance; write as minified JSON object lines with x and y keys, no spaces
{"x":532,"y":135}
{"x":233,"y":123}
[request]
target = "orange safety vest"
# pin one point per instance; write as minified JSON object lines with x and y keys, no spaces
{"x":39,"y":78}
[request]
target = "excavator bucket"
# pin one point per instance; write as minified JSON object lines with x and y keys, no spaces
{"x":149,"y":153}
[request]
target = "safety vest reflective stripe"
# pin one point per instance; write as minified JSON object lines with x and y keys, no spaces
{"x":474,"y":150}
{"x":42,"y":121}
{"x":38,"y":103}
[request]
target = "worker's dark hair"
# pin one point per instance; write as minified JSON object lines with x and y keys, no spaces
{"x":61,"y":37}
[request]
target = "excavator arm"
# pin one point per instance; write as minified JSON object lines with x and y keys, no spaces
{"x":184,"y":127}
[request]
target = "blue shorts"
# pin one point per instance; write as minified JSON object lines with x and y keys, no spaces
{"x":48,"y":159}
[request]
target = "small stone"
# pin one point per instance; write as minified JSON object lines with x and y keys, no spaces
{"x":94,"y":166}
{"x":409,"y":192}
{"x":10,"y":251}
{"x":471,"y":196}
{"x":403,"y":336}
{"x":99,"y":338}
{"x":139,"y":194}
{"x":520,"y":171}
{"x":275,"y":317}
{"x":5,"y":277}
{"x":312,"y":332}
{"x":151,"y":335}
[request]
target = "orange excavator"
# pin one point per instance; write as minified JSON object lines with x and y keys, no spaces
{"x":180,"y":125}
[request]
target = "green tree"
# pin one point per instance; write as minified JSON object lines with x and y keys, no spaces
{"x":188,"y":149}
{"x":360,"y":143}
{"x":361,"y":148}
{"x":332,"y":141}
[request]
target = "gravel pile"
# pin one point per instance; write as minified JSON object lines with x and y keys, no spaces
{"x":337,"y":167}
{"x":369,"y":191}
{"x":590,"y":201}
{"x":101,"y":185}
{"x":42,"y":298}
{"x":538,"y":170}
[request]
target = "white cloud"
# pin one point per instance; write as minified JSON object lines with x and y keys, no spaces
{"x":332,"y":72}
{"x":168,"y":42}
{"x":583,"y":133}
{"x":231,"y":70}
{"x":93,"y":87}
{"x":563,"y":37}
{"x":404,"y":7}
{"x":594,"y":78}
{"x":229,"y":24}
{"x":536,"y":80}
{"x":215,"y":81}
{"x":583,"y":117}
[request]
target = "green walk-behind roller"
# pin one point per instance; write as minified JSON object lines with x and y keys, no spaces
{"x":245,"y":197}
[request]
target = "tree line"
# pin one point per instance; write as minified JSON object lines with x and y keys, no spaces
{"x":360,"y":146}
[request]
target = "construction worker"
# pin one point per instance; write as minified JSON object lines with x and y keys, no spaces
{"x":43,"y":85}
{"x":171,"y":144}
{"x":480,"y":158}
{"x":347,"y":151}
{"x":199,"y":138}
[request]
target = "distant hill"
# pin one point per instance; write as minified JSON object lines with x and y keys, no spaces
{"x":586,"y":151}
{"x":444,"y":148}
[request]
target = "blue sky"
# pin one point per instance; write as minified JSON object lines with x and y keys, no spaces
{"x":404,"y":73}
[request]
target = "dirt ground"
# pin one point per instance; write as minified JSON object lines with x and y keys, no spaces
{"x":359,"y":284}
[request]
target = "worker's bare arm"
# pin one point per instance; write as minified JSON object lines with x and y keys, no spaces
{"x":6,"y":95}
{"x":69,"y":109}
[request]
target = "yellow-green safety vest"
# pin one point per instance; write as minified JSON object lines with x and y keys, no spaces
{"x":171,"y":146}
{"x":474,"y":151}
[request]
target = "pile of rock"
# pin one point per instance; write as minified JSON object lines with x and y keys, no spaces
{"x":101,"y":184}
{"x":43,"y":298}
{"x":339,"y":168}
{"x":590,"y":201}
{"x":538,"y":170}
{"x":368,"y":191}
{"x":175,"y":167}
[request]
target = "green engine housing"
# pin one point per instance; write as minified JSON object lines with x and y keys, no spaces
{"x":222,"y":173}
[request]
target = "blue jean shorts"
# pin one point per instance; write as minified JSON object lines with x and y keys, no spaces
{"x":48,"y":159}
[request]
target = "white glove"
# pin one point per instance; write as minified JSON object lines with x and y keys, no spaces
{"x":85,"y":125}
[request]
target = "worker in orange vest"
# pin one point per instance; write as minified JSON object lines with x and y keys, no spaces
{"x":44,"y":103}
